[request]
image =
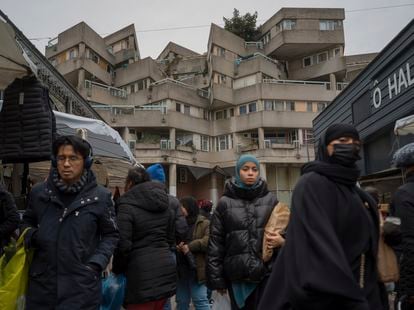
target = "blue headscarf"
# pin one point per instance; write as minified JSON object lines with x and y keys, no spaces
{"x":240,"y":162}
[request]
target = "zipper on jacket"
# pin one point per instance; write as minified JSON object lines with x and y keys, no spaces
{"x":362,"y":272}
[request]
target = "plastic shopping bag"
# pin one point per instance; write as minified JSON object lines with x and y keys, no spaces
{"x":221,"y":302}
{"x":14,"y":276}
{"x":113,"y":291}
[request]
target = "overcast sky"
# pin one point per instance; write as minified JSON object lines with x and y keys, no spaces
{"x":369,"y":26}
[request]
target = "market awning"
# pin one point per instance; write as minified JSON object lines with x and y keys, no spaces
{"x":404,"y":126}
{"x":12,"y":62}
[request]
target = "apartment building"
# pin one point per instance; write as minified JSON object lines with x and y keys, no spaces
{"x":196,"y":114}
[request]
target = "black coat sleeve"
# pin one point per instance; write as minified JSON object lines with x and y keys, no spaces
{"x":216,"y":250}
{"x":181,"y":226}
{"x":404,"y":208}
{"x":108,"y":229}
{"x":11,"y":217}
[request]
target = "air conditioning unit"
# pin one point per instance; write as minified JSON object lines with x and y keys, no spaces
{"x":267,"y":144}
{"x":165,"y":144}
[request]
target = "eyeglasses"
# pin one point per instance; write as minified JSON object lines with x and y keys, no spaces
{"x":72,"y":159}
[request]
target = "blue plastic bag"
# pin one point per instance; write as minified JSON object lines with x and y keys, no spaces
{"x":113,"y":291}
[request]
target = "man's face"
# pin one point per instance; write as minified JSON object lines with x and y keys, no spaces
{"x":69,"y":164}
{"x":341,"y":140}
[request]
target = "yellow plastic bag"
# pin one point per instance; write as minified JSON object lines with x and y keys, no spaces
{"x":14,"y":277}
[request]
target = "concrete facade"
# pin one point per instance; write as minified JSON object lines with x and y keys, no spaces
{"x":196,"y":114}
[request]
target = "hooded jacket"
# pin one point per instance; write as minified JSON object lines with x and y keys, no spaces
{"x":145,"y":219}
{"x":67,"y":240}
{"x":236,"y":235}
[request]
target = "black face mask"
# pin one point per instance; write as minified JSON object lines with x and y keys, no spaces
{"x":345,"y":154}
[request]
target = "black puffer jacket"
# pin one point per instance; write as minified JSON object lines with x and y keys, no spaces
{"x":236,"y":235}
{"x":403,"y":204}
{"x":145,"y":220}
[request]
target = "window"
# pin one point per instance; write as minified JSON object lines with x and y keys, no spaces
{"x":308,"y":136}
{"x":243,"y":109}
{"x":204,"y":143}
{"x":252,"y":107}
{"x":223,"y":143}
{"x":72,"y":54}
{"x":132,"y":131}
{"x":182,"y":175}
{"x":186,"y":109}
{"x":321,"y":106}
{"x":290,"y":106}
{"x":221,"y":51}
{"x":322,"y":57}
{"x":279,"y":106}
{"x":266,"y":38}
{"x":307,"y":61}
{"x":329,"y":25}
{"x":287,"y":24}
{"x":132,"y":88}
{"x":142,"y":84}
{"x":219,"y":115}
{"x":231,"y":112}
{"x":309,"y":107}
{"x":205,"y":115}
{"x":268,"y":105}
{"x":131,"y":144}
{"x":178,"y":107}
{"x":337,"y":52}
{"x":281,"y":137}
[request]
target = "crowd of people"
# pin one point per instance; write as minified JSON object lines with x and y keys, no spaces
{"x":326,"y":258}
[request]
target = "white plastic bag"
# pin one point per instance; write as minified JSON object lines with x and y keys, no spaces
{"x":221,"y":302}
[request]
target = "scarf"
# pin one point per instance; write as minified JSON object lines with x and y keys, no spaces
{"x":72,"y":188}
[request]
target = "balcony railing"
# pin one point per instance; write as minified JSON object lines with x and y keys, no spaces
{"x":113,"y":91}
{"x":201,"y":92}
{"x":327,"y":85}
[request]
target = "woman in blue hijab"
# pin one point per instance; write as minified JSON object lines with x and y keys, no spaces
{"x":234,"y":255}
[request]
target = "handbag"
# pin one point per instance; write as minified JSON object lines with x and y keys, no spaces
{"x":387,"y":264}
{"x":14,"y":275}
{"x":278,"y":221}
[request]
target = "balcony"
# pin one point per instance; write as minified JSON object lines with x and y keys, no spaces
{"x":333,"y":65}
{"x":222,"y":95}
{"x":285,"y":90}
{"x":290,"y":44}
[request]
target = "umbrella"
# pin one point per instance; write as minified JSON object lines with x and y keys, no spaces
{"x":105,"y":141}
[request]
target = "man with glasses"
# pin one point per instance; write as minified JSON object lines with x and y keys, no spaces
{"x":72,"y":229}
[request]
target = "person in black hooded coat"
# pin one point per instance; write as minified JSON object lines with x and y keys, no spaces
{"x":329,"y":258}
{"x":145,"y":220}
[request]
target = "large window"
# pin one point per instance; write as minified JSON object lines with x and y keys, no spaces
{"x":223,"y":143}
{"x":204,"y":143}
{"x":178,"y":107}
{"x":329,"y":25}
{"x":287,"y":24}
{"x":290,"y":106}
{"x":266,"y":38}
{"x":268,"y":105}
{"x":252,"y":107}
{"x":243,"y":109}
{"x":186,"y":109}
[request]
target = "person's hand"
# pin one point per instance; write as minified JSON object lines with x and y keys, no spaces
{"x":222,"y":291}
{"x":185,"y":249}
{"x":180,"y":246}
{"x":274,"y":240}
